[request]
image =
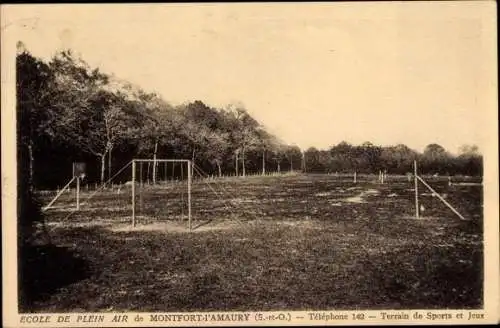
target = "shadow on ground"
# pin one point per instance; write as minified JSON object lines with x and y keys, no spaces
{"x":43,"y":269}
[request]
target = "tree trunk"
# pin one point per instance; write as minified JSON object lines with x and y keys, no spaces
{"x":109,"y":162}
{"x":243,"y":161}
{"x":304,"y":162}
{"x":31,"y":165}
{"x":264,"y":162}
{"x":147,"y":173}
{"x":236,"y":162}
{"x":154,"y":162}
{"x":219,"y":168}
{"x":291,"y":164}
{"x":279,"y":167}
{"x":103,"y":166}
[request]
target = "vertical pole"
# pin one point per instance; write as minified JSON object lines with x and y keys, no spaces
{"x":354,"y":176}
{"x":141,"y":186}
{"x":133,"y":193}
{"x":416,"y":189}
{"x":140,"y":173}
{"x":189,"y":194}
{"x":77,"y":193}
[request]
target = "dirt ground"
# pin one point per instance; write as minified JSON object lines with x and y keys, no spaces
{"x":292,"y":242}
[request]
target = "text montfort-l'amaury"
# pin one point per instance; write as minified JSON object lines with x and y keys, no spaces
{"x":124,"y":318}
{"x":199,"y":317}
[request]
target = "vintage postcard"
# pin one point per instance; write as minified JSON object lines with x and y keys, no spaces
{"x":250,"y":164}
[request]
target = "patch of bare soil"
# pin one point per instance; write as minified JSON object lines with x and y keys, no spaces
{"x":360,"y":198}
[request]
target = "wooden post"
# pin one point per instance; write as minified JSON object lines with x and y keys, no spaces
{"x":140,"y":174}
{"x":189,"y":194}
{"x":141,"y":186}
{"x":416,"y":188}
{"x":77,"y":193}
{"x":133,"y":193}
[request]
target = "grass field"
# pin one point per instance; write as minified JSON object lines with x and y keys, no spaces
{"x":296,"y":242}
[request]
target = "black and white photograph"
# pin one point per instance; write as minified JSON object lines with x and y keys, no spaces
{"x":249,"y":164}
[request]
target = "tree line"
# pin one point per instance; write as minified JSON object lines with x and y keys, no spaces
{"x":70,"y":112}
{"x":398,"y":159}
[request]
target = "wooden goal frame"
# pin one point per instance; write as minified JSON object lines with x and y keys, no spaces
{"x":155,"y":161}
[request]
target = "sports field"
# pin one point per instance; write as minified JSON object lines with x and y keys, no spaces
{"x":293,"y":242}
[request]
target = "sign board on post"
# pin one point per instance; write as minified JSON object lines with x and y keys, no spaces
{"x":79,"y":169}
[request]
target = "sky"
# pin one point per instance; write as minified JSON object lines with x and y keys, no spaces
{"x":313,"y":74}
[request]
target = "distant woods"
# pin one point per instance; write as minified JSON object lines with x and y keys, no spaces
{"x":68,"y":111}
{"x":398,"y":159}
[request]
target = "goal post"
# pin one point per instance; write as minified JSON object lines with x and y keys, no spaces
{"x":177,"y":182}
